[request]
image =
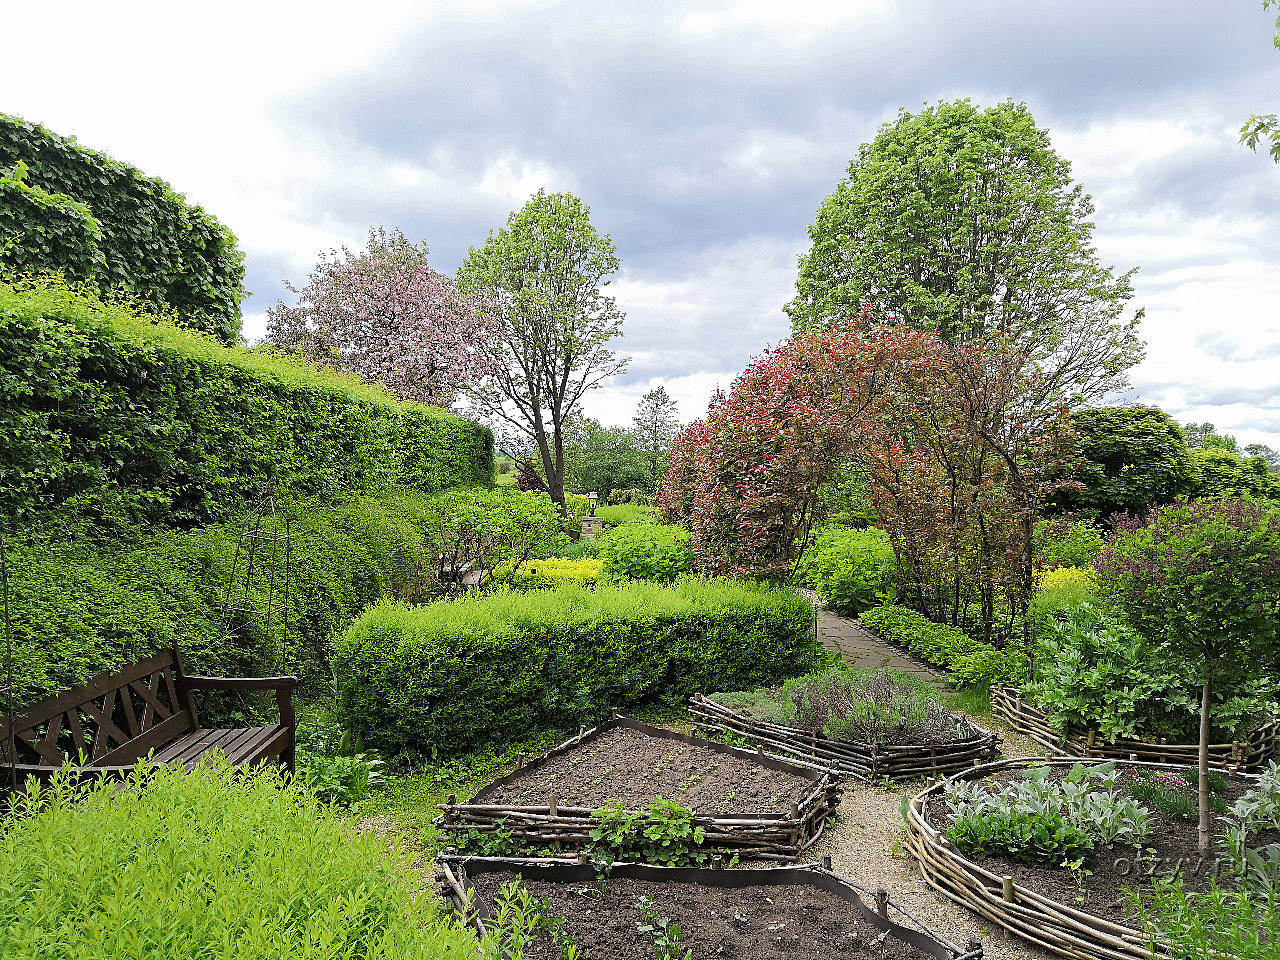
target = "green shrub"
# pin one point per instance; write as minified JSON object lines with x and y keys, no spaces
{"x":617,"y":514}
{"x":212,"y":864}
{"x":151,"y":243}
{"x":1058,"y":591}
{"x":482,"y":529}
{"x":1032,"y":836}
{"x":551,"y":572}
{"x":455,"y":674}
{"x":1067,"y":545}
{"x":109,"y":414}
{"x":84,"y":605}
{"x":967,"y":661}
{"x":853,"y":569}
{"x":645,"y":551}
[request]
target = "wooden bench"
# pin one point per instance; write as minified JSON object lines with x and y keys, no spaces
{"x":117,"y":718}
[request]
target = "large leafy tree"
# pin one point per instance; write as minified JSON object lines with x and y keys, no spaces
{"x":541,"y":279}
{"x":602,"y":459}
{"x":655,"y":425}
{"x":963,"y":222}
{"x":1131,"y":458}
{"x":385,"y":315}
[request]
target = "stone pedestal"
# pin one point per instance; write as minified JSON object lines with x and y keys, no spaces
{"x":591,"y":527}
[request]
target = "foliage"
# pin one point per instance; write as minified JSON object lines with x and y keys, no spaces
{"x":453,"y":674}
{"x":43,"y":232}
{"x":1058,"y":591}
{"x":550,"y":572}
{"x":84,"y":604}
{"x":541,"y":282}
{"x":212,"y":863}
{"x":1263,"y":127}
{"x":1130,"y":459}
{"x":967,"y":661}
{"x":109,"y":414}
{"x":666,"y":935}
{"x":386,"y":316}
{"x":871,"y":706}
{"x":645,"y":551}
{"x":662,"y":833}
{"x":845,"y":498}
{"x":152,"y":244}
{"x":1062,"y":543}
{"x":331,"y":769}
{"x":1201,"y":580}
{"x":480,"y":529}
{"x":1172,"y":792}
{"x":602,"y":459}
{"x":1039,"y":818}
{"x":616,"y":514}
{"x":655,"y":425}
{"x":854,"y":570}
{"x":964,"y":222}
{"x":1224,"y":474}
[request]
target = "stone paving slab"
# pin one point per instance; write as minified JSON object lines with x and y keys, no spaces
{"x":863,"y":650}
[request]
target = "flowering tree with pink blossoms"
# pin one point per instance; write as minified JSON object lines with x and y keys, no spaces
{"x":383,"y":314}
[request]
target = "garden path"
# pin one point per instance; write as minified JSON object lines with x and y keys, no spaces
{"x":862,"y":649}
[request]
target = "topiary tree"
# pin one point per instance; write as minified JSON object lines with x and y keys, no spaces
{"x":1202,"y":579}
{"x":1131,"y":458}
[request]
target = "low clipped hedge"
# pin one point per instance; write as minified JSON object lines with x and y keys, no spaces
{"x":112,"y":414}
{"x":212,"y":864}
{"x":84,"y":605}
{"x":967,"y":661}
{"x":551,"y":572}
{"x":451,"y":676}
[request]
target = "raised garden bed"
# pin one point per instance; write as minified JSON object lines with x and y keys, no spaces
{"x":1241,"y":757}
{"x":850,"y":758}
{"x":749,"y":914}
{"x":756,"y":806}
{"x":1071,"y":913}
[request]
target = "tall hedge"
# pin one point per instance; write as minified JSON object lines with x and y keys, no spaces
{"x":39,"y":230}
{"x":107,"y":412}
{"x":153,"y":243}
{"x":455,"y":674}
{"x":80,"y":606}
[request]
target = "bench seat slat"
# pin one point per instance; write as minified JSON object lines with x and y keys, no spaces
{"x":239,"y":745}
{"x":153,"y":739}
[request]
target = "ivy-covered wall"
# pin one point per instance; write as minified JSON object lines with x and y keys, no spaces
{"x":151,"y":243}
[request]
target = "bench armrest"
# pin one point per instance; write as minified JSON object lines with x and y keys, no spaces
{"x":239,"y":683}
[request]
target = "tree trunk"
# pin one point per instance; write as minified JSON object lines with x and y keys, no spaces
{"x":1205,"y":693}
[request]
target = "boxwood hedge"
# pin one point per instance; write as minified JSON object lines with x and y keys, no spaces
{"x":967,"y":661}
{"x":453,"y":675}
{"x":107,"y":412}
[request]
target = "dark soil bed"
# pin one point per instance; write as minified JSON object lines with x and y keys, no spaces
{"x":1101,"y":891}
{"x":748,"y":923}
{"x":625,"y":764}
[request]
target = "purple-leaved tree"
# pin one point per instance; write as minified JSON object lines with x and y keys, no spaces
{"x":383,"y":314}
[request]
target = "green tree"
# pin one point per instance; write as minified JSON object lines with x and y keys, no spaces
{"x":655,"y":424}
{"x":601,"y":458}
{"x":964,"y":222}
{"x":542,"y":279}
{"x":1205,"y":436}
{"x":1264,"y":127}
{"x":1224,"y":473}
{"x":1131,"y":459}
{"x":1203,"y":580}
{"x":1266,"y":453}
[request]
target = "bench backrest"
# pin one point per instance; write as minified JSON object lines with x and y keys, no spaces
{"x":115,"y":718}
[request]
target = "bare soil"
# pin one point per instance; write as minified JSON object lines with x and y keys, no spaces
{"x":748,"y":923}
{"x":624,"y":764}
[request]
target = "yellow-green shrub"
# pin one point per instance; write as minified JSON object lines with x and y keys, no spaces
{"x":210,"y":864}
{"x":552,"y":572}
{"x":1058,"y":591}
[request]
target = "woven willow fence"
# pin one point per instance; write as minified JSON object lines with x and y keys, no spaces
{"x":1062,"y":930}
{"x":849,"y":758}
{"x":454,"y":877}
{"x":1245,"y":756}
{"x":779,"y":837}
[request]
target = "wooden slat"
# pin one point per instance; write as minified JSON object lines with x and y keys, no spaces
{"x":153,"y":711}
{"x":126,"y":705}
{"x":78,"y":696}
{"x":107,"y":730}
{"x":190,"y":745}
{"x":259,"y":745}
{"x":238,"y":683}
{"x":156,"y":737}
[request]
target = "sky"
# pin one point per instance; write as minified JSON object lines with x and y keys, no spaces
{"x":703,"y":136}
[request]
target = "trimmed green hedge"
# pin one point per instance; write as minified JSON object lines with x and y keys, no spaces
{"x":151,"y":242}
{"x":215,"y":864}
{"x":108,"y":414}
{"x":81,"y":606}
{"x":967,"y":661}
{"x":40,"y":230}
{"x":453,"y":675}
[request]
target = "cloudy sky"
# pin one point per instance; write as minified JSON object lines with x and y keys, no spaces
{"x":703,"y":136}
